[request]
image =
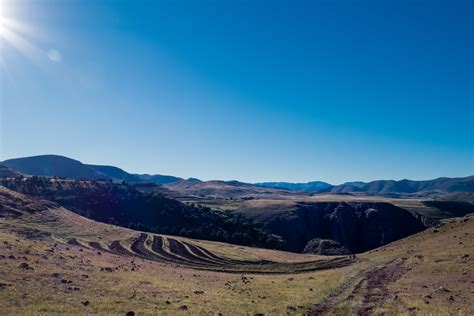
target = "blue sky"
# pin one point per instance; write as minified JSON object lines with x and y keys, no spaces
{"x":249,"y":90}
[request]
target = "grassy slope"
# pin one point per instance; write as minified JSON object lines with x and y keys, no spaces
{"x":429,"y":261}
{"x":440,"y":269}
{"x":430,"y":273}
{"x":39,"y":240}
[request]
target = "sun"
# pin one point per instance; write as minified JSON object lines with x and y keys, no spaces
{"x":3,"y":12}
{"x":5,"y":15}
{"x":21,"y":37}
{"x":1,"y":17}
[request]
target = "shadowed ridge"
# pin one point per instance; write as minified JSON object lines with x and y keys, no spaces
{"x":53,"y":165}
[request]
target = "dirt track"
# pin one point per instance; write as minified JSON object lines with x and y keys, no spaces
{"x":367,"y":289}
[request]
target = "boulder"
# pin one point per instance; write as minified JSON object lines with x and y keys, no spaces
{"x":325,"y":247}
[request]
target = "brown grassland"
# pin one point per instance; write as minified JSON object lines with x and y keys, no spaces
{"x":56,"y":262}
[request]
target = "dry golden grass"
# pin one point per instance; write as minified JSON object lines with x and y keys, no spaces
{"x":140,"y":285}
{"x":433,"y":274}
{"x":440,"y":269}
{"x":58,"y":278}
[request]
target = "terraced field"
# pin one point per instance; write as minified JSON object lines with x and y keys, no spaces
{"x":172,"y":250}
{"x":45,"y":219}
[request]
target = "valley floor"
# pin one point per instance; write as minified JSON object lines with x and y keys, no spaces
{"x":56,"y":262}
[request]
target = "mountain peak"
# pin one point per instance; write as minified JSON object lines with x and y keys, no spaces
{"x":60,"y":166}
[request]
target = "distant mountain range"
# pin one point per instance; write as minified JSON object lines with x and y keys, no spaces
{"x":228,"y":189}
{"x":380,"y":187}
{"x":60,"y":166}
{"x":387,"y":187}
{"x":118,"y":174}
{"x":313,"y":186}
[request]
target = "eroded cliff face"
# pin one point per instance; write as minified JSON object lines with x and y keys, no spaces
{"x":358,"y":226}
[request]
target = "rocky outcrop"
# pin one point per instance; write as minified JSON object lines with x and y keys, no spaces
{"x":325,"y":247}
{"x":358,"y":226}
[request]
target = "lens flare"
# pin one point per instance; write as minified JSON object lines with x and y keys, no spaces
{"x":22,"y":37}
{"x":1,"y":17}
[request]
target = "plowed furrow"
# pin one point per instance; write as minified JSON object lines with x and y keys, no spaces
{"x":97,"y":246}
{"x":75,"y":242}
{"x":192,"y":256}
{"x":180,"y":249}
{"x":157,"y":247}
{"x":117,"y":248}
{"x":198,"y":252}
{"x":9,"y":213}
{"x":138,"y":246}
{"x":320,"y":264}
{"x":215,"y":257}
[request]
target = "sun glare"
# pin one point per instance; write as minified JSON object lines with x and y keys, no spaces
{"x":1,"y":17}
{"x":22,"y":37}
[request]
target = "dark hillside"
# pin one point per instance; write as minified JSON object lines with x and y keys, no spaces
{"x":118,"y":174}
{"x":123,"y":205}
{"x":115,"y":173}
{"x":455,"y":208}
{"x":6,"y":172}
{"x":53,"y":165}
{"x":410,"y":187}
{"x":64,"y":167}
